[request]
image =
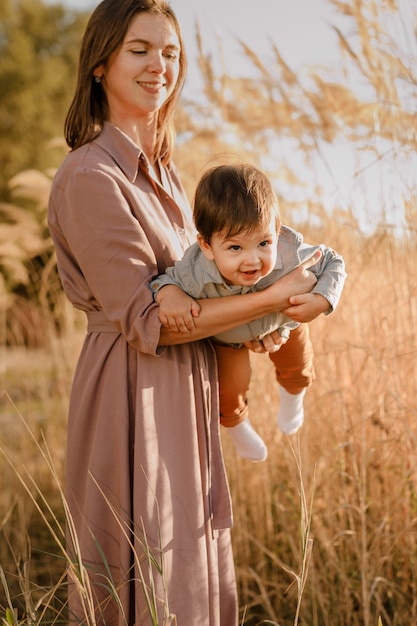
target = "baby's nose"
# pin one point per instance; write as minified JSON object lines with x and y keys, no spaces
{"x":252,"y":257}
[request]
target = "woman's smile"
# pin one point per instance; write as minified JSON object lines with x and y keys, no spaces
{"x":151,"y":86}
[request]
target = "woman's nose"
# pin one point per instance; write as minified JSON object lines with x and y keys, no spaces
{"x":157,"y":63}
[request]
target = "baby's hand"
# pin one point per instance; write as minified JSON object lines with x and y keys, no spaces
{"x":177,"y":310}
{"x":299,"y":281}
{"x":268,"y":343}
{"x":306,"y":307}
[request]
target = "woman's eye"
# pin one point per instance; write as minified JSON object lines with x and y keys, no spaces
{"x":172,"y":56}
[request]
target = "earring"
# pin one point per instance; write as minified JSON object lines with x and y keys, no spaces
{"x":97,"y":79}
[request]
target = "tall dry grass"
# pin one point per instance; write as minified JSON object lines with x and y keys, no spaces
{"x":331,"y":516}
{"x":355,"y":455}
{"x":357,"y":451}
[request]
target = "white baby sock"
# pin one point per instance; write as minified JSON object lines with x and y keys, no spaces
{"x":290,"y":416}
{"x":248,"y":443}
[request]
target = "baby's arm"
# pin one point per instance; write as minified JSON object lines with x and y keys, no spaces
{"x":325,"y":295}
{"x":174,"y":292}
{"x":177,"y":310}
{"x":307,"y":307}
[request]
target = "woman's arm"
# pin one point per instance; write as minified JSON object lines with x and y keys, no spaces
{"x":220,"y":314}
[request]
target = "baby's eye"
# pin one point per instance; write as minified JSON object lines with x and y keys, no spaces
{"x":234,"y":247}
{"x":265,"y":243}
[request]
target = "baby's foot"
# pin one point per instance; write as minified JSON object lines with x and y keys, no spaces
{"x":248,"y":443}
{"x":290,"y":416}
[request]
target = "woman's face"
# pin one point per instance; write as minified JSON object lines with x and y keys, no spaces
{"x":140,"y":76}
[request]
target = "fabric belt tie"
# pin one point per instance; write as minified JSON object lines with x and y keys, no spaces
{"x":97,"y":322}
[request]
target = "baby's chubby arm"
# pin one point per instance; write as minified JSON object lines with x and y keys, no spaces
{"x":324,"y":297}
{"x":177,"y":310}
{"x":306,"y":307}
{"x":173,"y":291}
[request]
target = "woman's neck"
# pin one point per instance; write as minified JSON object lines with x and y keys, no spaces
{"x":142,"y":132}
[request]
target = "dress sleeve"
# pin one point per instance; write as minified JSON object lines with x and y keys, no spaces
{"x":104,"y":253}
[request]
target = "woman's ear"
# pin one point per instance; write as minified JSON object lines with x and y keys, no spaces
{"x":98,"y":72}
{"x":205,"y":248}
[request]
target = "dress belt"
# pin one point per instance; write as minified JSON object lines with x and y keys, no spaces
{"x":97,"y":322}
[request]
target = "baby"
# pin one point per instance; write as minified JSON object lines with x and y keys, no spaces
{"x":241,"y":247}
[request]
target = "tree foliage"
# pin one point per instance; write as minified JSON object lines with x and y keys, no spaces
{"x":38,"y":57}
{"x":39,"y":47}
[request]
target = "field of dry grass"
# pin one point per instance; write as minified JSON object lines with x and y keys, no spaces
{"x":357,"y":458}
{"x":346,"y":484}
{"x":325,"y":530}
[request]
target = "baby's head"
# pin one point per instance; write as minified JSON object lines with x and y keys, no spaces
{"x":232,"y":199}
{"x":237,"y":218}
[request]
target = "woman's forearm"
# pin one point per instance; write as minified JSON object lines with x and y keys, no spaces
{"x":220,"y":314}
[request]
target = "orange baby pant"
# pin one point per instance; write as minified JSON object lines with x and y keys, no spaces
{"x":294,"y":370}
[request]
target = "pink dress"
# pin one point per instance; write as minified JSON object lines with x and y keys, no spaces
{"x":146,"y":483}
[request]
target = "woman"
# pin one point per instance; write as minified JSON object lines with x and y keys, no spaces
{"x":146,"y":485}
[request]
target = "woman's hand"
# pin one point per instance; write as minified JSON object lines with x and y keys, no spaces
{"x":177,"y":310}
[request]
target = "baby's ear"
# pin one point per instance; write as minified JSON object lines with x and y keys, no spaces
{"x":205,"y":248}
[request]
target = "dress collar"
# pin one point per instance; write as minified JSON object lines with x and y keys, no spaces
{"x":122,"y":148}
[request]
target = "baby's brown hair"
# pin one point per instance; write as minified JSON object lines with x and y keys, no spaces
{"x":232,"y":199}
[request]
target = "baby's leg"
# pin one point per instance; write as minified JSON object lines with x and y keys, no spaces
{"x":294,"y":369}
{"x":234,"y":378}
{"x":234,"y":370}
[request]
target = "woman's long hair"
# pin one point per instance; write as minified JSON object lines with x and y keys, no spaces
{"x":105,"y":33}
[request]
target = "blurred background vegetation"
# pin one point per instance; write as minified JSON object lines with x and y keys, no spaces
{"x":357,"y":449}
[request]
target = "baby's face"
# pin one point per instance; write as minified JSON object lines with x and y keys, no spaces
{"x":246,"y":257}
